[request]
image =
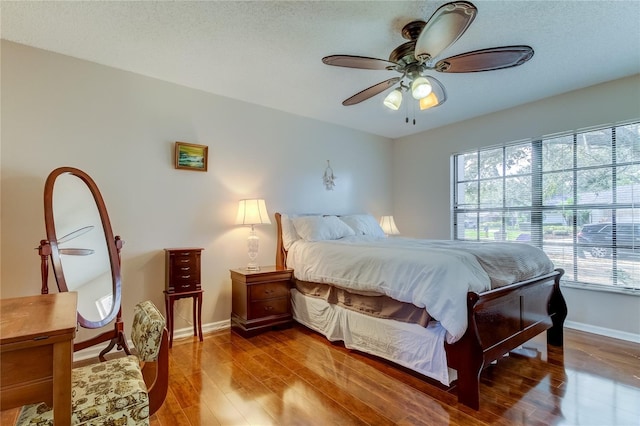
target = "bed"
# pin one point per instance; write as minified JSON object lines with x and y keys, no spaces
{"x":487,"y":310}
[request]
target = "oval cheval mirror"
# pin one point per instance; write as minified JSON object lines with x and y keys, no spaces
{"x":84,"y":254}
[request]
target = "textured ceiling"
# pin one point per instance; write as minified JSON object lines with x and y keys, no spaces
{"x":269,"y":53}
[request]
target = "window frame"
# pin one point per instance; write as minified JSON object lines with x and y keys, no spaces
{"x":537,"y":207}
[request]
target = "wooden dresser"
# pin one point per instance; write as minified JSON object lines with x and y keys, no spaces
{"x":36,"y":348}
{"x":260,"y":299}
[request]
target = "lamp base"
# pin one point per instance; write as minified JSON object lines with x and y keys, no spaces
{"x":252,"y":244}
{"x":253,"y":267}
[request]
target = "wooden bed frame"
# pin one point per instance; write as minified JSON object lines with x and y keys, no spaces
{"x":499,"y":321}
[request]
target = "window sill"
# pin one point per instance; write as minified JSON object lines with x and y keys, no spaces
{"x":602,"y":288}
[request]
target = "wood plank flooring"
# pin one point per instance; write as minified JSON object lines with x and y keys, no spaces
{"x":296,"y":377}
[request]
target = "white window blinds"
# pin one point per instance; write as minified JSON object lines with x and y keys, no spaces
{"x":575,"y":196}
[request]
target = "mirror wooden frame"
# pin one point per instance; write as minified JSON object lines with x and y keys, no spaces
{"x":48,"y":249}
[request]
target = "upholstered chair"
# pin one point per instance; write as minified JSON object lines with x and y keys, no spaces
{"x":121,"y":391}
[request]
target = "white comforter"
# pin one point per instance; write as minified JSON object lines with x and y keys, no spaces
{"x":433,"y":274}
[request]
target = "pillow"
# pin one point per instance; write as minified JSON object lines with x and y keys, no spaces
{"x":364,"y":224}
{"x":319,"y":228}
{"x":289,"y":234}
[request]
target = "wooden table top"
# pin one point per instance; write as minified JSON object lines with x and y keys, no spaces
{"x":33,"y":317}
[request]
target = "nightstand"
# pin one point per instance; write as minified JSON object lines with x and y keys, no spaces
{"x":182,"y":280}
{"x":260,"y":299}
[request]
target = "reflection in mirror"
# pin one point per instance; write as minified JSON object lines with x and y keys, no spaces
{"x":86,"y":256}
{"x":82,"y":247}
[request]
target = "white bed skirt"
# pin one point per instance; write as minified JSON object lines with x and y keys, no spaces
{"x":409,"y":345}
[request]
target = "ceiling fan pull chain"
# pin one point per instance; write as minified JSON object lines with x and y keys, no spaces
{"x":406,"y":110}
{"x":413,"y":108}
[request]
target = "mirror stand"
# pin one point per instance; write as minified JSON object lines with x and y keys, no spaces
{"x":116,"y":337}
{"x":84,"y":255}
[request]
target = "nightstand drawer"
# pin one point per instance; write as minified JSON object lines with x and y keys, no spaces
{"x":269,"y":307}
{"x":269,"y":290}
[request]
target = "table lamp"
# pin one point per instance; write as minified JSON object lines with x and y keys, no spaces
{"x":388,"y":225}
{"x":252,"y":212}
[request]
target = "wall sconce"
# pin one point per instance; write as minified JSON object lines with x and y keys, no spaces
{"x":252,"y":212}
{"x":388,"y":225}
{"x":329,"y":178}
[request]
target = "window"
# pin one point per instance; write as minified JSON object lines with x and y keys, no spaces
{"x":576,"y":196}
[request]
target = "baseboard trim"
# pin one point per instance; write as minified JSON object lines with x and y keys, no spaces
{"x":94,"y":351}
{"x":602,"y":331}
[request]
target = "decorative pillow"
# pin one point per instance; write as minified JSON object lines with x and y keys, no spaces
{"x":319,"y":228}
{"x":364,"y":224}
{"x":289,"y":234}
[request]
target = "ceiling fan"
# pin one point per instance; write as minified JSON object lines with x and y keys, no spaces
{"x":415,"y":58}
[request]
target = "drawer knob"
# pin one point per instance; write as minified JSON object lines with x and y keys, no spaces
{"x":185,"y":268}
{"x":185,"y":260}
{"x":185,"y":276}
{"x":268,"y":308}
{"x":268,"y":291}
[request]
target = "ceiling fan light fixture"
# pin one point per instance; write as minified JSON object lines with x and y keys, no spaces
{"x":420,"y":88}
{"x":393,"y":100}
{"x":421,"y":55}
{"x":429,"y":101}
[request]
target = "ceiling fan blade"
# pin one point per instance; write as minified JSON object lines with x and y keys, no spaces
{"x":370,"y":91}
{"x":486,"y":59}
{"x":75,"y":234}
{"x":444,"y":27}
{"x":77,"y":251}
{"x":361,"y":62}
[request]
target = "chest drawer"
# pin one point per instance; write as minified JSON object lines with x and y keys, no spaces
{"x":268,"y":291}
{"x":182,"y":269}
{"x":185,"y":269}
{"x":179,"y":287}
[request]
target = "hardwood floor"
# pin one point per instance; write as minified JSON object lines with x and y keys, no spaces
{"x":297,"y":377}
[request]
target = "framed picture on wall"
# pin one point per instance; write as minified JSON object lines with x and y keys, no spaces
{"x":190,"y":156}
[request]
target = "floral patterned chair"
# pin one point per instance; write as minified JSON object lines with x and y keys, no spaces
{"x":118,"y":391}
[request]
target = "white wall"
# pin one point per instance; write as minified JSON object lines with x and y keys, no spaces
{"x":422,"y":190}
{"x":120,"y":128}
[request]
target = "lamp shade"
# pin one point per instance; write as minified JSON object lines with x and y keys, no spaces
{"x":429,"y":101}
{"x":388,"y":225}
{"x":420,"y":88}
{"x":252,"y":212}
{"x":393,"y":100}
